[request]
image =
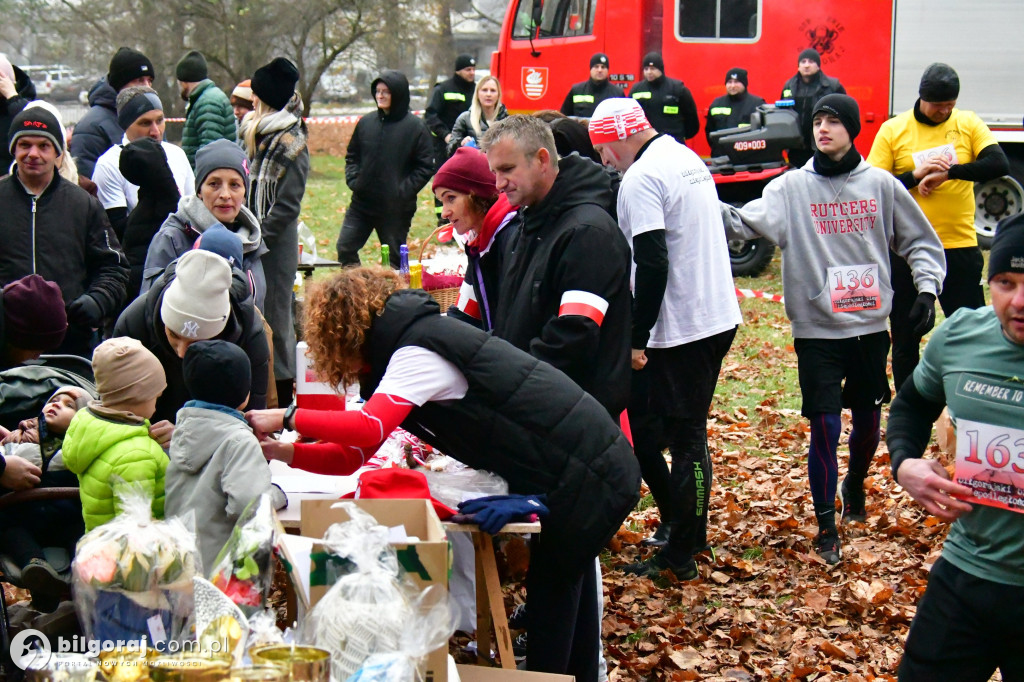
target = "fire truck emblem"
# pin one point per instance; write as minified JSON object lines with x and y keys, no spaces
{"x":535,"y":81}
{"x":825,"y":37}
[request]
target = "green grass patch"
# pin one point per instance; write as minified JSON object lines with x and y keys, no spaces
{"x":752,"y":553}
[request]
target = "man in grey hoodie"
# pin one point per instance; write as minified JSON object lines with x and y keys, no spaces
{"x":217,"y":466}
{"x":835,"y":220}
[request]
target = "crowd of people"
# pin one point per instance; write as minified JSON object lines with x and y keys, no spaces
{"x":587,"y":339}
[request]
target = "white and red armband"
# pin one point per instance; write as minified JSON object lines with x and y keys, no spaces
{"x":467,"y":302}
{"x":576,"y":302}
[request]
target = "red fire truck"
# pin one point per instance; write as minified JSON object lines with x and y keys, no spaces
{"x":876,"y":48}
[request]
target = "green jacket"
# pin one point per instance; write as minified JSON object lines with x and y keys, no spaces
{"x":98,"y":449}
{"x":209,"y":118}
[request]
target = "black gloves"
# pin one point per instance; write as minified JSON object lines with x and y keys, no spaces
{"x":922,"y":314}
{"x":84,"y":311}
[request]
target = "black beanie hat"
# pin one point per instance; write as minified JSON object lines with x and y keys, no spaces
{"x":809,"y":53}
{"x":1007,"y":252}
{"x":842,"y":107}
{"x":192,"y":68}
{"x":217,"y":372}
{"x":939,"y":83}
{"x":127,"y":65}
{"x":464,"y":61}
{"x":598,"y":58}
{"x":275,"y":82}
{"x":737,"y":74}
{"x":35,"y":121}
{"x":653,"y":59}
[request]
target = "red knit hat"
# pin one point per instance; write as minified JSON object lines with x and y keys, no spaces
{"x":33,"y":314}
{"x":467,"y":171}
{"x":397,"y":484}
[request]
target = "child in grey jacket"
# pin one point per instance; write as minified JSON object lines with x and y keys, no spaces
{"x":217,"y":466}
{"x":836,"y":220}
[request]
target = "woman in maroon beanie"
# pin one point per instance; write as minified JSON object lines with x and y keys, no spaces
{"x":32,"y":320}
{"x":471,"y":203}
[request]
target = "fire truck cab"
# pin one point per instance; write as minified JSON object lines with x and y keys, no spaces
{"x":876,"y":48}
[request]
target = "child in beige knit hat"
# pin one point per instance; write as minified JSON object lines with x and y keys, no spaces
{"x":108,"y":443}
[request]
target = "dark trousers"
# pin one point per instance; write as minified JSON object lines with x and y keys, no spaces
{"x":392,"y":229}
{"x":669,"y":405}
{"x":563,"y":623}
{"x":961,"y":289}
{"x":25,"y":529}
{"x":965,"y":628}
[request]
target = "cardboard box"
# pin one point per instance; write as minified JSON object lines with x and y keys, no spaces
{"x":310,"y":392}
{"x":428,"y":561}
{"x":476,"y":673}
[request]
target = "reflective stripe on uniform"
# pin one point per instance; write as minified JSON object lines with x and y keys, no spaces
{"x":579,"y":99}
{"x":467,"y":302}
{"x":720,"y":111}
{"x":670,"y":110}
{"x":641,"y":95}
{"x":583,"y":303}
{"x":454,"y":96}
{"x":787,"y":93}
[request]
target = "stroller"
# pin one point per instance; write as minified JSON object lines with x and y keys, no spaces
{"x":23,"y":393}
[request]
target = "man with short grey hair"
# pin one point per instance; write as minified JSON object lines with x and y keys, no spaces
{"x":564,"y":298}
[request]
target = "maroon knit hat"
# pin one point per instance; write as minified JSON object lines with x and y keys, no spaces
{"x":34,"y":316}
{"x":467,"y":171}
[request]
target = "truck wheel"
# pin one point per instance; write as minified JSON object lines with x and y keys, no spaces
{"x":750,"y":258}
{"x":998,"y":199}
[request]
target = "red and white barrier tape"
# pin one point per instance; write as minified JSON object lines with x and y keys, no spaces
{"x":754,"y":293}
{"x":313,"y":120}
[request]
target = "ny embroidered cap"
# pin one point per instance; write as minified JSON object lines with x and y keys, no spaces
{"x":197,"y":302}
{"x":126,"y":372}
{"x":1007,"y":252}
{"x":616,"y":119}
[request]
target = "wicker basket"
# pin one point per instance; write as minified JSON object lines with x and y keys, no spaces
{"x":448,"y":296}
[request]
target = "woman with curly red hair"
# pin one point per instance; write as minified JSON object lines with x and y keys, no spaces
{"x":491,"y":406}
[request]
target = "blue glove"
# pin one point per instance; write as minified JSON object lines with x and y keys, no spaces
{"x":492,"y":513}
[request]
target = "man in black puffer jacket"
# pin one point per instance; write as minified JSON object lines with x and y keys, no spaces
{"x":14,"y":95}
{"x":99,"y":130}
{"x":390,"y":158}
{"x":565,"y":287}
{"x":142,"y":320}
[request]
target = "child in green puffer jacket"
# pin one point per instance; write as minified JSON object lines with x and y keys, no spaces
{"x":109,"y":443}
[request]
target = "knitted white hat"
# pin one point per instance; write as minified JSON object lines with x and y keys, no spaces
{"x":616,"y":119}
{"x":197,"y":302}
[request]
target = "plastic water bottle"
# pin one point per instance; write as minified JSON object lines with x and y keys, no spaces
{"x":403,"y":262}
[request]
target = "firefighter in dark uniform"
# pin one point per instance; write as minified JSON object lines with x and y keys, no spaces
{"x":666,"y":102}
{"x":584,"y":97}
{"x":450,"y":98}
{"x":733,"y":109}
{"x":805,"y":88}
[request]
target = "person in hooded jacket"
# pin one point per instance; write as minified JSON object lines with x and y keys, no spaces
{"x":222,"y":183}
{"x":16,"y":90}
{"x":99,"y":130}
{"x":475,"y":397}
{"x":144,"y":163}
{"x":564,"y":294}
{"x":274,"y":137}
{"x":198,"y":297}
{"x":472,"y":204}
{"x":667,"y":103}
{"x":389,"y":159}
